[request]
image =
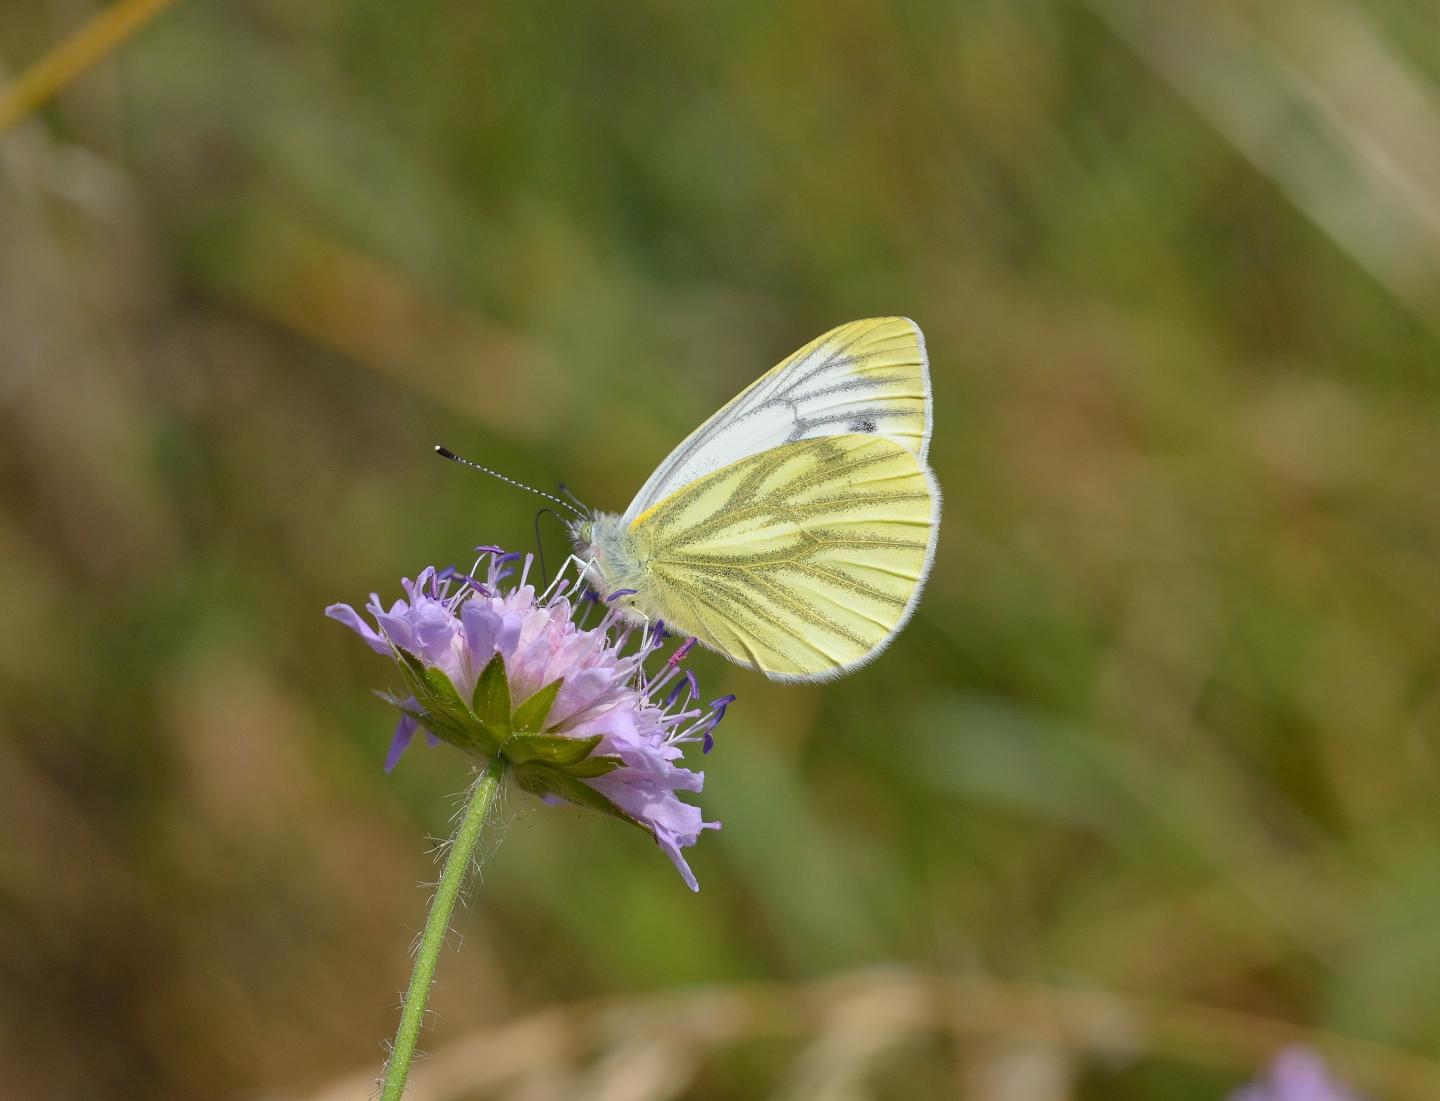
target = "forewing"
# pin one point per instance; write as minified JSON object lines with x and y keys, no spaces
{"x":802,"y":561}
{"x":865,"y":378}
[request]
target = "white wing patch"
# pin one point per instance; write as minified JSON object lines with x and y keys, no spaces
{"x":866,"y":378}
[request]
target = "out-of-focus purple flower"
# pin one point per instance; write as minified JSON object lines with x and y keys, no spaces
{"x":1295,"y":1074}
{"x":505,"y":671}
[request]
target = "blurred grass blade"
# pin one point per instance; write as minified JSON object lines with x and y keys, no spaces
{"x":872,"y":1010}
{"x":106,"y":31}
{"x":1324,"y":109}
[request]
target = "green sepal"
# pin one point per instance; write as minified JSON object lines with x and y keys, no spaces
{"x":491,"y":700}
{"x":543,"y":780}
{"x":544,"y":764}
{"x":530,"y":716}
{"x":442,"y":711}
{"x":548,"y":749}
{"x":592,"y":767}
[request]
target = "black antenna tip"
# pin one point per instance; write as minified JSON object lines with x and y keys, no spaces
{"x":444,"y":452}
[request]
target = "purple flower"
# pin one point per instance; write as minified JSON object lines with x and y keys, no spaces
{"x":507,"y":672}
{"x":1295,"y":1074}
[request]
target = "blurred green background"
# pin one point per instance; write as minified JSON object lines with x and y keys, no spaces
{"x":1147,"y":789}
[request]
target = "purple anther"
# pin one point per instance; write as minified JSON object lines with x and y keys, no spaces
{"x":618,"y":593}
{"x":693,"y":683}
{"x":512,"y":556}
{"x":660,"y":631}
{"x":468,"y":580}
{"x":719,"y":706}
{"x":680,"y":651}
{"x":489,"y":550}
{"x":709,"y":743}
{"x":674,"y":694}
{"x":590,"y":595}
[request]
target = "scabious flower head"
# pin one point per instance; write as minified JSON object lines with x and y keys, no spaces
{"x":494,"y":668}
{"x":1295,"y":1074}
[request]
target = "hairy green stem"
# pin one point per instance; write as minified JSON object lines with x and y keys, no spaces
{"x":457,"y":866}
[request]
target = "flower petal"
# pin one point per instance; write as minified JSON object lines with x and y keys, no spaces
{"x":347,"y":615}
{"x":404,"y":731}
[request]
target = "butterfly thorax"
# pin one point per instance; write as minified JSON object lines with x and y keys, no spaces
{"x":612,"y":563}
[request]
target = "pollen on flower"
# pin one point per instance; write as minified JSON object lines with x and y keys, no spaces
{"x":497,"y":668}
{"x":681,"y":652}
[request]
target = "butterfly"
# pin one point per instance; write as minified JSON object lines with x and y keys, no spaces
{"x":793,"y":531}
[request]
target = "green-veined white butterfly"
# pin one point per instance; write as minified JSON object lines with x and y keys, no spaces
{"x":793,"y":530}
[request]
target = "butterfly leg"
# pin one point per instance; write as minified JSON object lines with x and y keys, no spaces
{"x":585,"y":565}
{"x":653,"y":633}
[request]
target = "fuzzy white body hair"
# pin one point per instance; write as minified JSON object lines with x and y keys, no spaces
{"x":611,"y":562}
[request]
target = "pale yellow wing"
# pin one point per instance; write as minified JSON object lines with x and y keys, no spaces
{"x":802,"y":561}
{"x":866,"y":378}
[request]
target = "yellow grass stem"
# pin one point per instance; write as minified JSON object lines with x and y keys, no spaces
{"x":105,"y":32}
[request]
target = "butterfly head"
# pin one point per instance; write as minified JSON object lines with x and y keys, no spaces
{"x":603,"y":544}
{"x":582,"y":537}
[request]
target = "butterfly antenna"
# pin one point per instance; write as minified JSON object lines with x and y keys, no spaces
{"x":446,"y":453}
{"x":575,"y":500}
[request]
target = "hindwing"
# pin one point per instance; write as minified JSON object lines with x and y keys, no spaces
{"x":801,"y":561}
